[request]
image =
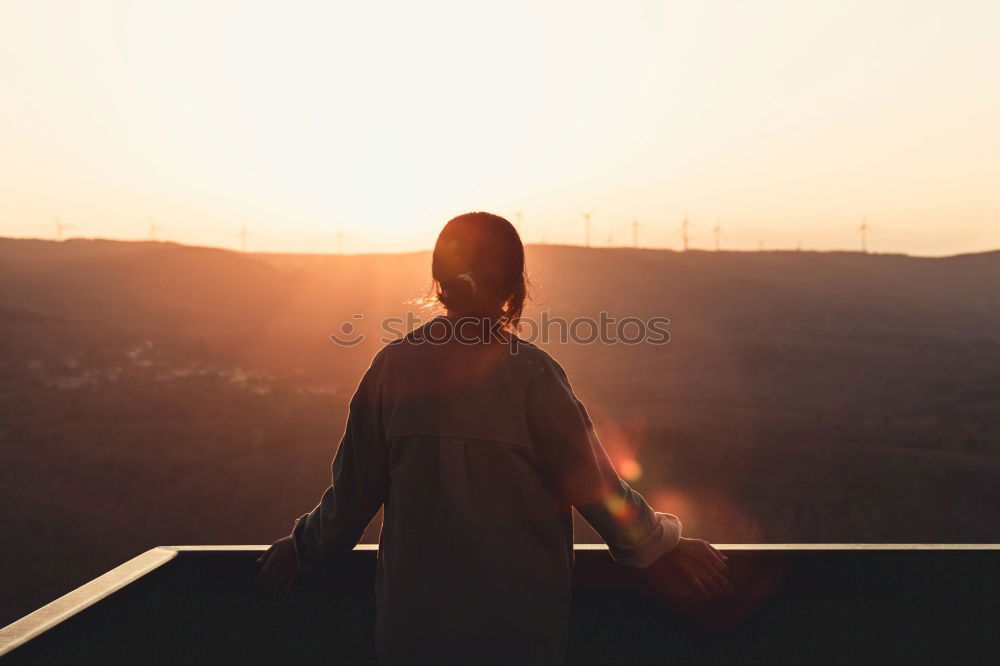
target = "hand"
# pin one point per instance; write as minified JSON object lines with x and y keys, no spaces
{"x":702,"y":566}
{"x":279,"y":565}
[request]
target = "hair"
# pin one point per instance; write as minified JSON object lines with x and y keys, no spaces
{"x":478,"y":268}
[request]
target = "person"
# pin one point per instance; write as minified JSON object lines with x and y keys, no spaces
{"x":477,"y":448}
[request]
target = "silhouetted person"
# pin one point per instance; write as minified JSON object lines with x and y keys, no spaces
{"x":475,"y":444}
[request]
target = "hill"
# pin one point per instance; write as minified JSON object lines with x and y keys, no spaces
{"x":159,"y":393}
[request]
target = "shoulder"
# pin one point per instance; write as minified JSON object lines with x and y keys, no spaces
{"x":541,"y":362}
{"x":385,"y":354}
{"x":404,"y":345}
{"x":413,"y":345}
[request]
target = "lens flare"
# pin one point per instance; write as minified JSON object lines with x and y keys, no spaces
{"x":630,"y":469}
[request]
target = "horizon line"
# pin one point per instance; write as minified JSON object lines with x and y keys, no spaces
{"x":705,"y":250}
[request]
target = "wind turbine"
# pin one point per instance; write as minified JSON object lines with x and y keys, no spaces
{"x":685,"y":235}
{"x":60,"y":228}
{"x":243,"y":237}
{"x":586,"y":227}
{"x":153,"y":228}
{"x":864,"y":229}
{"x":339,"y":236}
{"x":717,"y":230}
{"x":519,"y":214}
{"x":635,"y":231}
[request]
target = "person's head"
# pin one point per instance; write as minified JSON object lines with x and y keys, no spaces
{"x":478,"y":268}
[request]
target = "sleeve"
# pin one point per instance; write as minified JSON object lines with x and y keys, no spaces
{"x":360,"y":480}
{"x":576,"y":463}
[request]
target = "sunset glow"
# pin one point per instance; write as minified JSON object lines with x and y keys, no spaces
{"x":787,"y":122}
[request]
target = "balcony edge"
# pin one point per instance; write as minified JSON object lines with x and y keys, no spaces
{"x":38,"y":622}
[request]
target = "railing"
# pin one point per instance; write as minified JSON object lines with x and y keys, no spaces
{"x":796,"y":603}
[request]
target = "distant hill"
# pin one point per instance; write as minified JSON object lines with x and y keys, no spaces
{"x":154,"y":392}
{"x":866,"y":335}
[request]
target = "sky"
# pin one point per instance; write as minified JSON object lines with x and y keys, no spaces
{"x":321,"y":125}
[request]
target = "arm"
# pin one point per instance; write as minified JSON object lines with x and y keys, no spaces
{"x":360,"y":480}
{"x":360,"y":483}
{"x":579,"y":468}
